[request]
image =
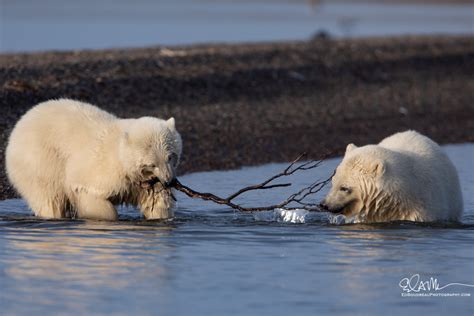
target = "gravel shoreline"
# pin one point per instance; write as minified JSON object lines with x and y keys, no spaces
{"x":257,"y":103}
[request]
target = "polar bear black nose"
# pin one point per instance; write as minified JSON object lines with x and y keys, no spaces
{"x":323,"y":206}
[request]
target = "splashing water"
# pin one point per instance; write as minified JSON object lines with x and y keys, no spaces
{"x":281,"y":215}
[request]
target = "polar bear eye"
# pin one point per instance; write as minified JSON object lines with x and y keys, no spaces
{"x":345,"y":189}
{"x":173,"y":159}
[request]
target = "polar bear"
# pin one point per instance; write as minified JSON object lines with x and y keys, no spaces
{"x":407,"y":176}
{"x":71,"y":159}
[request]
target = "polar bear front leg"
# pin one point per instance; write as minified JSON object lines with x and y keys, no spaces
{"x":93,"y":207}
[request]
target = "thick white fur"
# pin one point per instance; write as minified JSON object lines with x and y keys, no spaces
{"x":69,"y":158}
{"x":406,"y":176}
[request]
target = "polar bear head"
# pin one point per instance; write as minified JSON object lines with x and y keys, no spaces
{"x":366,"y":186}
{"x":150,"y":148}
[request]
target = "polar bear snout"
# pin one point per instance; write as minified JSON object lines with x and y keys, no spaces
{"x":147,"y":172}
{"x":340,"y":198}
{"x":336,"y":209}
{"x":165,"y":175}
{"x":150,"y":183}
{"x":152,"y":175}
{"x":323,"y":205}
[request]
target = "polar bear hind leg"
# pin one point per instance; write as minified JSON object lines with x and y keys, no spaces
{"x":44,"y":196}
{"x":44,"y":204}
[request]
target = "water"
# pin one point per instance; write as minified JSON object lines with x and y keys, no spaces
{"x":211,"y":260}
{"x":27,"y":25}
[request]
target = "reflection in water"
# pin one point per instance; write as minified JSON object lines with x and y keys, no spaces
{"x":81,"y":260}
{"x":103,"y":256}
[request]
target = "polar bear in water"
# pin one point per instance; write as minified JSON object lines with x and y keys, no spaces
{"x":407,"y":176}
{"x":68,"y":158}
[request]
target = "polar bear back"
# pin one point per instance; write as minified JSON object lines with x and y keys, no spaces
{"x":435,"y":178}
{"x":63,"y":124}
{"x":411,"y":141}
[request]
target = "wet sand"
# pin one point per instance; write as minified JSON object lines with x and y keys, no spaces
{"x":250,"y":104}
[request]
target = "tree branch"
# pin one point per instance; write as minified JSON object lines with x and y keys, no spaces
{"x":297,"y":198}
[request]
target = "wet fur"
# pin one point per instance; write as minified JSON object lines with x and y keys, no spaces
{"x":407,"y":176}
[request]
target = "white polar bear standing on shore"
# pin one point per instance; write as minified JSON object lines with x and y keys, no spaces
{"x":69,"y":158}
{"x":407,"y":176}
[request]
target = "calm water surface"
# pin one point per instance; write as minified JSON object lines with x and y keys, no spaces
{"x":213,"y":261}
{"x":29,"y":25}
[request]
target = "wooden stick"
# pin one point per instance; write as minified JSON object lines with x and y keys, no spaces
{"x":296,"y":198}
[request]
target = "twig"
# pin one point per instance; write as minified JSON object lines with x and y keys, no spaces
{"x":296,"y":198}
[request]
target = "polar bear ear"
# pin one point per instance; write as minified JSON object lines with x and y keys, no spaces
{"x":350,"y":148}
{"x":377,"y":168}
{"x":171,"y":123}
